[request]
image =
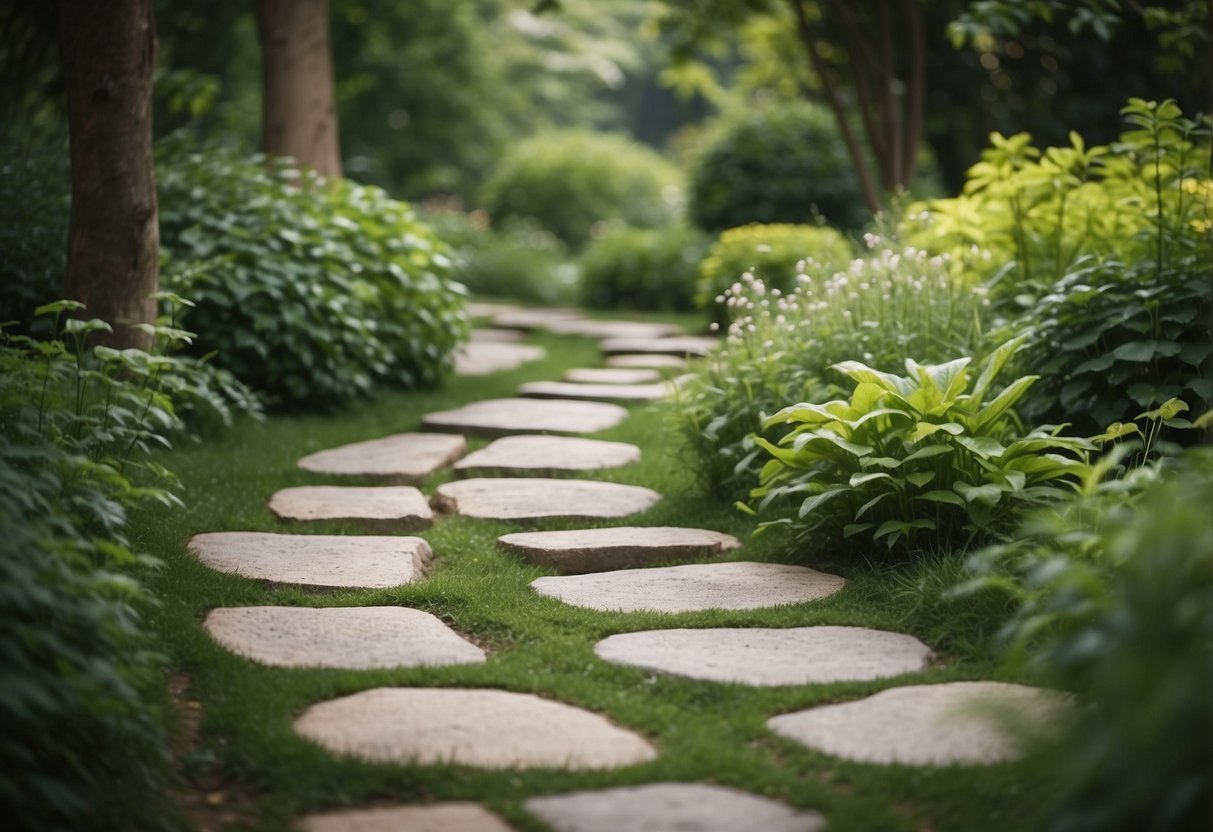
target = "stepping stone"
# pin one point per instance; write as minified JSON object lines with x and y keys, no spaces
{"x":670,"y":807}
{"x":593,"y":392}
{"x":352,"y":638}
{"x":487,"y":309}
{"x":439,"y":817}
{"x":763,"y":656}
{"x":622,"y":547}
{"x":612,"y":375}
{"x":482,"y":358}
{"x":546,"y":456}
{"x":507,"y":498}
{"x":315,"y":560}
{"x":686,"y":345}
{"x":529,"y":319}
{"x":499,"y":417}
{"x":496,"y":336}
{"x":493,"y":729}
{"x":958,"y":723}
{"x":653,"y":360}
{"x":402,"y":459}
{"x":612,"y":329}
{"x":384,"y":509}
{"x":742,"y":585}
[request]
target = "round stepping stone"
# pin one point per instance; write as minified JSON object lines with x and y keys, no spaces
{"x":529,"y":319}
{"x":612,"y":329}
{"x":352,"y":638}
{"x":497,"y":417}
{"x":623,"y":547}
{"x":439,"y":817}
{"x":958,"y":723}
{"x":692,"y":345}
{"x":386,"y":509}
{"x":685,"y":807}
{"x":496,"y":336}
{"x":593,"y":392}
{"x":546,"y":456}
{"x":316,"y":560}
{"x":613,"y":375}
{"x":402,"y":459}
{"x":741,"y":585}
{"x":652,"y":360}
{"x":482,"y":358}
{"x":472,"y":727}
{"x":508,"y":498}
{"x":762,"y":656}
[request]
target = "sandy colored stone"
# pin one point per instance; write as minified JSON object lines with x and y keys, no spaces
{"x":473,"y":727}
{"x":487,"y":309}
{"x":621,"y":547}
{"x":670,"y":807}
{"x":741,"y":585}
{"x":957,"y":723}
{"x":386,"y":508}
{"x":482,"y":358}
{"x":613,"y":375}
{"x":496,"y":336}
{"x":546,"y":456}
{"x":499,"y":417}
{"x":685,"y":345}
{"x":653,"y":360}
{"x":766,"y":656}
{"x":354,"y":638}
{"x":612,"y":329}
{"x":316,"y":560}
{"x":594,"y":392}
{"x":438,"y":817}
{"x":511,"y":498}
{"x":529,"y":319}
{"x":402,"y":459}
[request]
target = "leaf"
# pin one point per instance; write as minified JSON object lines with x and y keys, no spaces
{"x":929,"y":451}
{"x":920,"y":478}
{"x":925,"y":429}
{"x":1003,"y":402}
{"x":983,"y":446}
{"x":941,"y":496}
{"x":852,"y":529}
{"x":863,"y":509}
{"x":821,"y":499}
{"x":994,"y":364}
{"x":984,"y":494}
{"x":859,"y":479}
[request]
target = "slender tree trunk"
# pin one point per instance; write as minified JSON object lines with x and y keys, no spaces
{"x":108,"y":49}
{"x":299,"y":108}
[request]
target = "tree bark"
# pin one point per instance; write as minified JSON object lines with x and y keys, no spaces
{"x":108,"y":50}
{"x":299,"y":108}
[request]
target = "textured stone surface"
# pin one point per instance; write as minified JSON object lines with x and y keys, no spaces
{"x":534,"y":318}
{"x":654,"y":360}
{"x":404,"y":458}
{"x":355,"y":638}
{"x":482,"y":358}
{"x":496,"y":336}
{"x":612,"y":329}
{"x":387,"y":508}
{"x":670,"y":807}
{"x":763,"y":656}
{"x":546,"y":456}
{"x":509,"y":498}
{"x":473,"y":727}
{"x":439,"y":817}
{"x":613,"y":375}
{"x":622,"y":547}
{"x":594,"y":392}
{"x":497,"y":417}
{"x":316,"y":560}
{"x":742,"y":585}
{"x":685,"y":345}
{"x":964,"y":723}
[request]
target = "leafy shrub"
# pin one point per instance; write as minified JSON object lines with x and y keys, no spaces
{"x":778,"y":163}
{"x":576,"y":183}
{"x":642,"y":269}
{"x":314,"y":290}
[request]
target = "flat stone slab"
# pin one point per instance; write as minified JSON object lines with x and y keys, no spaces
{"x":670,"y":807}
{"x":685,"y":345}
{"x":402,"y":459}
{"x":622,"y":547}
{"x":482,"y":358}
{"x":653,"y":360}
{"x":384,"y":508}
{"x":741,"y":585}
{"x":546,"y":456}
{"x":496,"y":336}
{"x":594,"y":392}
{"x":529,"y":319}
{"x":611,"y":329}
{"x":613,"y":375}
{"x":473,"y":727}
{"x":438,"y":817}
{"x":765,"y":656}
{"x":487,"y":309}
{"x":316,"y":560}
{"x":498,"y":417}
{"x":352,"y":638}
{"x":511,"y":498}
{"x":957,"y":723}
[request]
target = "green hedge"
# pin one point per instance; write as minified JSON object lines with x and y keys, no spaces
{"x":643,"y":269}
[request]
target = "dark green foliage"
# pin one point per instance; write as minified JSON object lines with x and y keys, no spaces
{"x":643,"y":269}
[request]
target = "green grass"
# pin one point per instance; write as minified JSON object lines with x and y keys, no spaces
{"x":704,"y":732}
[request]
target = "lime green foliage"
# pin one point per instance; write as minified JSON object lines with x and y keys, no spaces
{"x":314,"y":291}
{"x":642,"y":269}
{"x":577,"y":184}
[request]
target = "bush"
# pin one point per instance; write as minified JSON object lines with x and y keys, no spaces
{"x":779,"y":163}
{"x":642,"y":269}
{"x":576,"y":184}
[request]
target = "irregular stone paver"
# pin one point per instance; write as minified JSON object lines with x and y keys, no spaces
{"x":741,"y":585}
{"x":612,"y":329}
{"x":482,"y":358}
{"x":487,"y":309}
{"x":593,"y":392}
{"x":497,"y":417}
{"x":670,"y":807}
{"x":622,"y":547}
{"x":693,"y":345}
{"x":763,"y":656}
{"x":653,"y":360}
{"x":472,"y":727}
{"x":385,"y":508}
{"x":439,"y":817}
{"x":509,"y":498}
{"x":496,"y":336}
{"x":534,"y":318}
{"x":404,"y":458}
{"x":316,"y":560}
{"x":613,"y":375}
{"x":546,"y":456}
{"x":963,"y":723}
{"x":354,"y":638}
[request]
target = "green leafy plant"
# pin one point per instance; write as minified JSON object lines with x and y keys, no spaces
{"x":642,"y":269}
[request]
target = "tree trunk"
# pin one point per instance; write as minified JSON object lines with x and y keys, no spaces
{"x":107,"y":50}
{"x":299,"y":109}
